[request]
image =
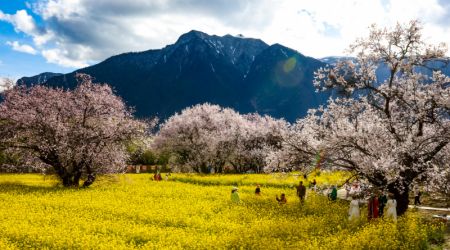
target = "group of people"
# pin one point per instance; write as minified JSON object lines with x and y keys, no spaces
{"x":157,"y":176}
{"x":301,"y":192}
{"x":377,"y":203}
{"x":376,"y":206}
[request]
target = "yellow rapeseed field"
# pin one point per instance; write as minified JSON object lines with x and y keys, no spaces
{"x":132,"y":211}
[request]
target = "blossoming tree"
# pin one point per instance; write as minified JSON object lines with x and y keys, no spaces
{"x":205,"y":137}
{"x":392,"y":132}
{"x":77,"y":132}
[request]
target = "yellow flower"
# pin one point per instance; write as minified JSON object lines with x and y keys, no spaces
{"x":191,"y":211}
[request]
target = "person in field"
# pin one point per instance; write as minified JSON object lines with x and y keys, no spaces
{"x":333,"y":194}
{"x":372,"y":207}
{"x":391,"y":208}
{"x":167,"y":176}
{"x":301,"y":191}
{"x":354,"y":212}
{"x":157,"y":176}
{"x":235,"y":195}
{"x":258,"y":190}
{"x":282,"y":200}
{"x":382,"y":200}
{"x":417,"y":195}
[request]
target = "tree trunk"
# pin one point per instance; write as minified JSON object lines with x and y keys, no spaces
{"x":90,"y":179}
{"x":204,"y":169}
{"x":76,"y":179}
{"x":69,"y":179}
{"x":401,"y":195}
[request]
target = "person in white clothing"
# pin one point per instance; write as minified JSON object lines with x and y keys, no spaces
{"x":391,"y":208}
{"x":354,"y":212}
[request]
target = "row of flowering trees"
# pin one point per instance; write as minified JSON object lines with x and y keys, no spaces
{"x":392,"y":131}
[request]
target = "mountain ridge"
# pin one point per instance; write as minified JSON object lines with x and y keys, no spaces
{"x":242,"y":73}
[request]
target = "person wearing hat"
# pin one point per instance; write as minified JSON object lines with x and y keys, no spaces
{"x":235,"y":195}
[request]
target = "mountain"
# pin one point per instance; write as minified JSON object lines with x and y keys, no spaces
{"x":38,"y":79}
{"x":242,"y":73}
{"x":279,"y":83}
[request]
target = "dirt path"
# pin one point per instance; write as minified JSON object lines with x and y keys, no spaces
{"x":431,"y":208}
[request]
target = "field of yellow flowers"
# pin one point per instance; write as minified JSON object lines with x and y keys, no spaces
{"x":132,"y":211}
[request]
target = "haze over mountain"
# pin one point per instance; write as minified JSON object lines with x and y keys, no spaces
{"x":242,"y":73}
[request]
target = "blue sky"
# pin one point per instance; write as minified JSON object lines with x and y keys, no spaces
{"x":14,"y":64}
{"x":63,"y":35}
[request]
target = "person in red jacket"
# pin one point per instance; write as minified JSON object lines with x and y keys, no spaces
{"x":373,"y":207}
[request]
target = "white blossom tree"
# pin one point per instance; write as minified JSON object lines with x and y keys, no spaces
{"x":208,"y":136}
{"x":77,"y":132}
{"x":392,"y":132}
{"x":192,"y":137}
{"x":253,"y":139}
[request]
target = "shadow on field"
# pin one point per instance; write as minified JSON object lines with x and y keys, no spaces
{"x":14,"y":187}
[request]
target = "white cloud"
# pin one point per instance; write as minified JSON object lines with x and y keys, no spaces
{"x":78,"y":32}
{"x":25,"y":23}
{"x":21,"y":21}
{"x":321,"y":28}
{"x":63,"y":58}
{"x":25,"y":48}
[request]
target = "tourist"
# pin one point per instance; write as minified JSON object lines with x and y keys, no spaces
{"x":391,"y":208}
{"x":282,"y":200}
{"x":301,"y":191}
{"x":417,"y":195}
{"x":373,"y":207}
{"x":333,"y":194}
{"x":157,"y":176}
{"x":257,"y":190}
{"x":354,"y":212}
{"x":235,"y":195}
{"x":382,"y":200}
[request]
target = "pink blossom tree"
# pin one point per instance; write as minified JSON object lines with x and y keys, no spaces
{"x":392,"y":132}
{"x":78,"y":132}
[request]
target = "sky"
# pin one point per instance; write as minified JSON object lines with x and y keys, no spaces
{"x":63,"y":35}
